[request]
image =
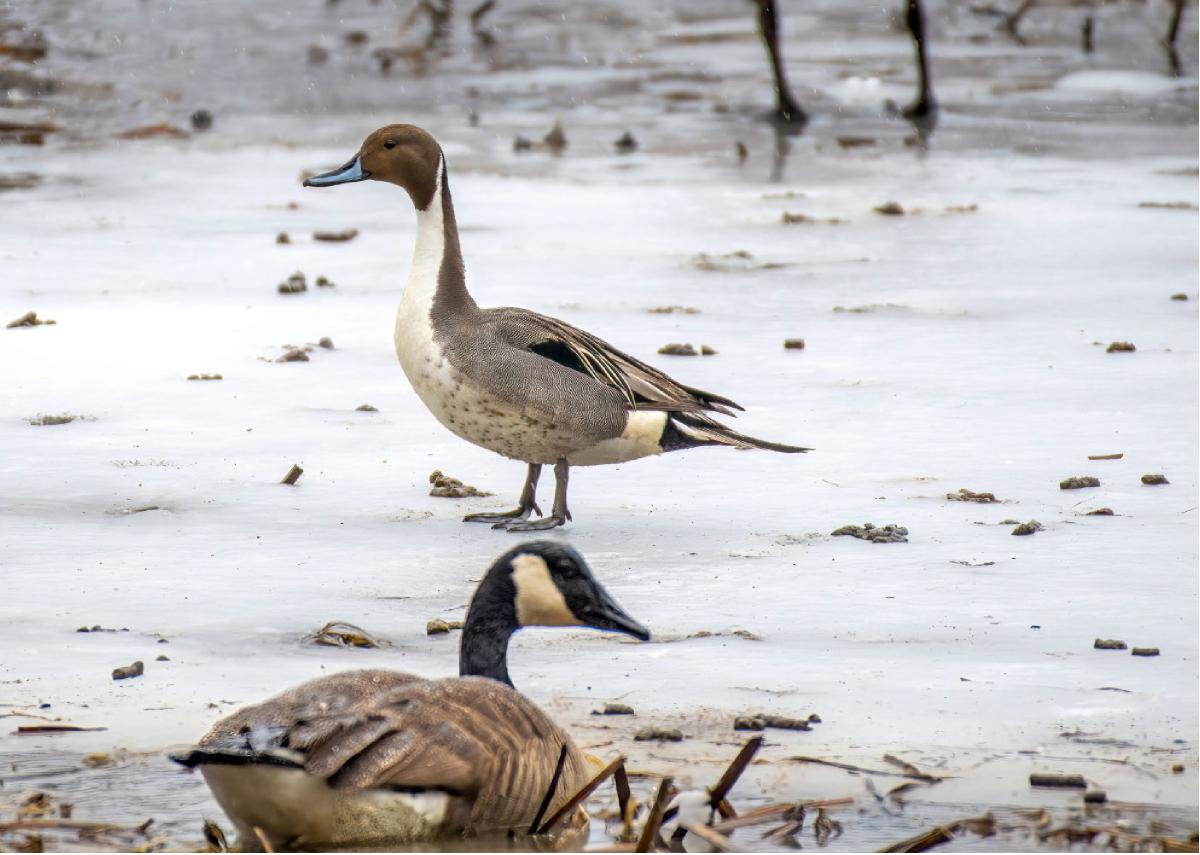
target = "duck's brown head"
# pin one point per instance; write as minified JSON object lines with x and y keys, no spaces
{"x":399,"y":154}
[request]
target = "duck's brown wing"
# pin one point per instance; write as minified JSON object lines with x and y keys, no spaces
{"x":643,"y":386}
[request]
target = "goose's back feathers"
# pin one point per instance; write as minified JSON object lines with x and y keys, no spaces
{"x":480,"y":742}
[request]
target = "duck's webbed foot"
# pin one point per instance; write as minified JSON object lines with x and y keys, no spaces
{"x":544,"y":524}
{"x":525,"y":505}
{"x":558,"y":514}
{"x":501,"y":518}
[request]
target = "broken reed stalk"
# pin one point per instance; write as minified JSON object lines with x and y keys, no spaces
{"x":758,"y":816}
{"x":71,"y":825}
{"x":624,"y":794}
{"x":718,"y":841}
{"x":578,"y":799}
{"x":293,"y":475}
{"x":936,"y":836}
{"x":729,"y":777}
{"x":655,"y":819}
{"x":545,"y":805}
{"x":919,"y":776}
{"x":262,"y":838}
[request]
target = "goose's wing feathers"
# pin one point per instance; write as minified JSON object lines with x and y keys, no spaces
{"x":643,"y":386}
{"x":468,"y":736}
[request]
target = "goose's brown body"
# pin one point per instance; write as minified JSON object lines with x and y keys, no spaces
{"x":398,"y":758}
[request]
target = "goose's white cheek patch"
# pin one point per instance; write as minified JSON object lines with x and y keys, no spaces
{"x":539,"y":602}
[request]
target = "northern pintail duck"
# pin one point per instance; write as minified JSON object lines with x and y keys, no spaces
{"x":391,"y":757}
{"x":521,"y":384}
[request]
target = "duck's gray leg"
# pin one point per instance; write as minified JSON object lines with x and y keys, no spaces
{"x":525,"y":504}
{"x":558,"y":515}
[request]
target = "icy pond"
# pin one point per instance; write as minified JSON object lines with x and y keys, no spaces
{"x":961,"y":344}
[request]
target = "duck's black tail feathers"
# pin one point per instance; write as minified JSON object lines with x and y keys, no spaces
{"x":689,"y":430}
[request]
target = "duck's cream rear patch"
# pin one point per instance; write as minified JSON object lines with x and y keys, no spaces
{"x":539,"y":602}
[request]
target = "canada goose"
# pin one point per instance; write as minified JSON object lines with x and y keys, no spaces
{"x":392,"y":757}
{"x":524,"y":385}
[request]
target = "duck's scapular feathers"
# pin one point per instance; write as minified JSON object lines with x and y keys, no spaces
{"x":379,"y":755}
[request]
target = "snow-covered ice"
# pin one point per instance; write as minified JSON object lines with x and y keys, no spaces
{"x":952,"y":347}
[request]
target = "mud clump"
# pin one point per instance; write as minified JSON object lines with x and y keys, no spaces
{"x":445,"y":487}
{"x":676,"y":349}
{"x":855,"y":142}
{"x":283,"y":237}
{"x":1180,"y":297}
{"x":205,"y":377}
{"x":890,"y":209}
{"x":760,"y":721}
{"x":336,"y":237}
{"x":1078,"y":482}
{"x":708,"y":350}
{"x":554,"y":142}
{"x":52,"y":420}
{"x":793,"y":344}
{"x":626,"y":143}
{"x":1100,"y":512}
{"x":339,"y":634}
{"x":658,"y":734}
{"x":671,"y":310}
{"x":29,"y":319}
{"x":1121,"y":347}
{"x":1027,"y":528}
{"x":790,"y":218}
{"x":615,"y":709}
{"x":965,"y":495}
{"x":1109,"y":644}
{"x":1154,"y":480}
{"x":1168,"y":206}
{"x":294,"y":284}
{"x":738,"y":261}
{"x":325,"y":342}
{"x":1144,"y":651}
{"x":366,"y":408}
{"x":323,"y":282}
{"x":295,"y":354}
{"x":868,"y":531}
{"x":748,"y":722}
{"x":126,"y":672}
{"x":440,"y":626}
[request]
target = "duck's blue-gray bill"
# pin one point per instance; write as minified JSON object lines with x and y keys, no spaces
{"x":352,"y":171}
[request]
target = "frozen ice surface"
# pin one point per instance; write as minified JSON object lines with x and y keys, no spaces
{"x":977,"y":360}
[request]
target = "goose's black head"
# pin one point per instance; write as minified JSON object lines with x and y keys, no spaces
{"x":540,"y":583}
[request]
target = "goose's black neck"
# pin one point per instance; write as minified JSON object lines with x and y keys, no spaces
{"x":491,"y":621}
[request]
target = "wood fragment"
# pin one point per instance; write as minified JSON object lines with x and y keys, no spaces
{"x":30,"y":729}
{"x":654,"y":820}
{"x":984,"y":826}
{"x":293,"y":475}
{"x":1106,"y":456}
{"x":767,"y":813}
{"x":1038,"y":779}
{"x":718,"y":841}
{"x":581,"y":796}
{"x":624,"y":797}
{"x":733,"y":771}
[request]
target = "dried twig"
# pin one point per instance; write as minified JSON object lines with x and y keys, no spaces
{"x":578,"y":799}
{"x":767,"y":813}
{"x":718,"y":841}
{"x":655,"y":819}
{"x":729,"y":777}
{"x":919,"y":776}
{"x":546,"y":799}
{"x":984,"y":826}
{"x":83,"y":826}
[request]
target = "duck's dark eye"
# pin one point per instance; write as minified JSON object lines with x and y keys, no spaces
{"x":390,"y":144}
